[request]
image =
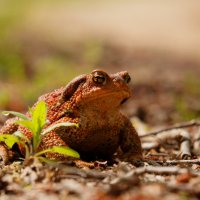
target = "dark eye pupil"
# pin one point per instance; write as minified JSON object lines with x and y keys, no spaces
{"x":99,"y":79}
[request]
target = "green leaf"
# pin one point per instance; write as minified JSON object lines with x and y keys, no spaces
{"x":66,"y":151}
{"x":17,"y":114}
{"x":39,"y":115}
{"x":61,"y":150}
{"x":27,"y":151}
{"x":50,"y":128}
{"x":26,"y":123}
{"x":9,"y":140}
{"x":46,"y":160}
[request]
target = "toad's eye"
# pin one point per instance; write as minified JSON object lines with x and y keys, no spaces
{"x":127,"y":78}
{"x":99,"y":78}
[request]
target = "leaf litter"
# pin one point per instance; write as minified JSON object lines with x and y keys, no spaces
{"x":164,"y":174}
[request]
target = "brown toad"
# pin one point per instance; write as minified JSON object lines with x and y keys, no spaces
{"x":93,"y":101}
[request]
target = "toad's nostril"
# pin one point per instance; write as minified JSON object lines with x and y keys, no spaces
{"x":127,"y":78}
{"x":124,"y":100}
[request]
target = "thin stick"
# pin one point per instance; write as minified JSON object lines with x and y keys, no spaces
{"x":160,"y":170}
{"x":194,"y":161}
{"x":163,"y":170}
{"x":173,"y":162}
{"x":184,"y":125}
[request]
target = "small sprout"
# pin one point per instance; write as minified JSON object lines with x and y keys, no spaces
{"x":36,"y":124}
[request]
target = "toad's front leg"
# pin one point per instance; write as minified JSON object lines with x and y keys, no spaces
{"x":60,"y":137}
{"x":57,"y":137}
{"x":130,"y":143}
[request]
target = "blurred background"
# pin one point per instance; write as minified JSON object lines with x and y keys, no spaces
{"x":46,"y":43}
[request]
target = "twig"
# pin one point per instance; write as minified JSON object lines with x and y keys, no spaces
{"x":179,"y":126}
{"x":185,"y":150}
{"x":90,"y":174}
{"x":194,"y":161}
{"x":150,"y":145}
{"x":180,"y":135}
{"x":196,"y":144}
{"x":173,"y":162}
{"x":163,"y":170}
{"x":160,"y":170}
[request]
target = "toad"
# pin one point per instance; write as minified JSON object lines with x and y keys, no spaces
{"x":93,"y":101}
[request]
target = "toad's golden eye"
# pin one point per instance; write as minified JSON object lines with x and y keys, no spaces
{"x":99,"y":78}
{"x":127,"y":78}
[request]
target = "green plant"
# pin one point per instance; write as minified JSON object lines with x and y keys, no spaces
{"x":36,"y":125}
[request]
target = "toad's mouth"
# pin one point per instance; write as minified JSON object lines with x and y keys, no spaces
{"x":116,"y":96}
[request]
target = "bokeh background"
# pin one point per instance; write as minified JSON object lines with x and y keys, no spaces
{"x":44,"y":44}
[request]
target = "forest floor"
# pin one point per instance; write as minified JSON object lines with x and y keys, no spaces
{"x":171,"y":170}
